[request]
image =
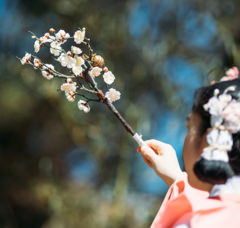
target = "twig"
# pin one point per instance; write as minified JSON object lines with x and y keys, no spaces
{"x":112,"y":108}
{"x":88,"y":99}
{"x":87,"y":43}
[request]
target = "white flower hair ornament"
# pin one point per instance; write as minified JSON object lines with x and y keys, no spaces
{"x":83,"y":71}
{"x":224,"y":112}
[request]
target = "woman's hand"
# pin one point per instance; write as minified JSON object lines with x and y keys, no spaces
{"x":162,"y":158}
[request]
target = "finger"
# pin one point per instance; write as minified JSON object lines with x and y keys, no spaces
{"x":155,"y":148}
{"x":155,"y":142}
{"x":149,"y":163}
{"x":156,"y":145}
{"x":151,"y":145}
{"x":148,"y":153}
{"x":139,"y":149}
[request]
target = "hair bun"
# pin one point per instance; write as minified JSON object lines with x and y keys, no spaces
{"x":212,"y":171}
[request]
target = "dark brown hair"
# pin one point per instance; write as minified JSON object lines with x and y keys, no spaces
{"x":211,"y":171}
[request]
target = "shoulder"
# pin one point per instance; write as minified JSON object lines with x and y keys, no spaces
{"x":180,"y":199}
{"x":182,"y":187}
{"x":218,"y":212}
{"x":223,"y":214}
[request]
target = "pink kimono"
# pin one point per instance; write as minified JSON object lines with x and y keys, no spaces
{"x":185,"y":206}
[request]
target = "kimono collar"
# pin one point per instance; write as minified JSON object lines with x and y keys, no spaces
{"x":232,"y":186}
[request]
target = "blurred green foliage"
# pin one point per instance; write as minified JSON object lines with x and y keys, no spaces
{"x":44,"y":137}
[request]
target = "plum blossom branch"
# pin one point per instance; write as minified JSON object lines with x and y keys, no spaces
{"x":81,"y":68}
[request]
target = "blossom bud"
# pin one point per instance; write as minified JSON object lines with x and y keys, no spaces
{"x":47,"y":35}
{"x":69,"y":80}
{"x":98,"y":60}
{"x":105,"y":69}
{"x":51,"y":30}
{"x":69,"y":53}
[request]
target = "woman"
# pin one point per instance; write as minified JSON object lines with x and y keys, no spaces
{"x":208,"y":193}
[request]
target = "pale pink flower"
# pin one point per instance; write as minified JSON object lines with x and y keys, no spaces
{"x":231,"y":74}
{"x":231,"y":116}
{"x":225,"y":99}
{"x":215,"y":107}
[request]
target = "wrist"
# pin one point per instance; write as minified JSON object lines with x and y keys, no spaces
{"x":169,"y":180}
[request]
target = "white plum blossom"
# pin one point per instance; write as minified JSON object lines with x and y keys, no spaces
{"x":47,"y":38}
{"x":37,"y":63}
{"x":77,"y":70}
{"x":46,"y":71}
{"x":79,"y":36}
{"x":67,"y":61}
{"x":62,"y":36}
{"x":70,"y":96}
{"x":37,"y":46}
{"x":77,"y":67}
{"x":56,"y":48}
{"x":26,"y":58}
{"x":84,"y":106}
{"x":76,"y":50}
{"x":69,"y":87}
{"x":113,"y":95}
{"x":79,"y":60}
{"x":108,"y":77}
{"x":95,"y":72}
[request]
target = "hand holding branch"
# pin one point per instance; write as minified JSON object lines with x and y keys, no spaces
{"x":162,"y":158}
